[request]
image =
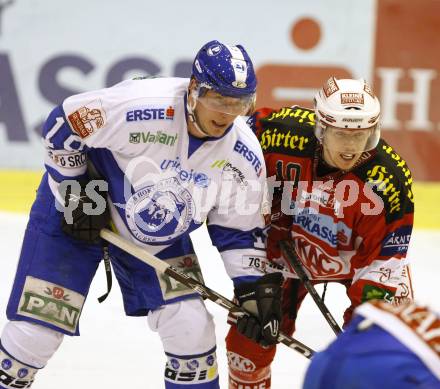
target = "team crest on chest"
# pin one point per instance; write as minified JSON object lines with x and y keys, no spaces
{"x":160,"y":212}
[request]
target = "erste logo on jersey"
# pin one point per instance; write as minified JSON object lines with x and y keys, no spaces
{"x":160,"y":212}
{"x":249,"y":155}
{"x":87,"y":119}
{"x":150,"y":113}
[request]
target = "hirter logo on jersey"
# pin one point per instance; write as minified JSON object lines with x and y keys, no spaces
{"x":87,"y":119}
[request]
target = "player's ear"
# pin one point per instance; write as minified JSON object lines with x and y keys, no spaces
{"x":192,"y":83}
{"x":252,"y":107}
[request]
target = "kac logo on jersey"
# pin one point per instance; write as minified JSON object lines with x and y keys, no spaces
{"x":317,"y":262}
{"x":160,"y":212}
{"x":150,"y":114}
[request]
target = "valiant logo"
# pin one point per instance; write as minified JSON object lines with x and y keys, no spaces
{"x":150,"y":137}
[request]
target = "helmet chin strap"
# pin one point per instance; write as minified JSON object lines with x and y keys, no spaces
{"x":192,"y":117}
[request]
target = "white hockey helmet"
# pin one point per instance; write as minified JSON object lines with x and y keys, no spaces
{"x":347,"y":106}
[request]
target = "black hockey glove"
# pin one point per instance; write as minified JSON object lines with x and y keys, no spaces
{"x":263,"y":300}
{"x":86,"y":212}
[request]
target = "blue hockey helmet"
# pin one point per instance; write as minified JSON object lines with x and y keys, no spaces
{"x":225,"y":69}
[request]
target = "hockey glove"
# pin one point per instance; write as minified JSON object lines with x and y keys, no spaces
{"x":263,"y":300}
{"x":89,"y":212}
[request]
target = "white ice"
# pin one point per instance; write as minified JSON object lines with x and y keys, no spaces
{"x":115,"y":351}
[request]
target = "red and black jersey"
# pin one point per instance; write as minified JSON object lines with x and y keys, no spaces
{"x":353,"y":225}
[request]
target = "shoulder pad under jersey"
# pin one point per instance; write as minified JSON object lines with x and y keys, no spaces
{"x":391,"y":179}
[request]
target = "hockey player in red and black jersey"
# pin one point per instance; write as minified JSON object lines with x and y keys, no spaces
{"x":342,"y":197}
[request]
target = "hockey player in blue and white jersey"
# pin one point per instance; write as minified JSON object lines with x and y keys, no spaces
{"x":384,"y":346}
{"x":172,"y":153}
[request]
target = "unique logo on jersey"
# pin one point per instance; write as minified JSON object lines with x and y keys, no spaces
{"x":396,"y":242}
{"x":317,"y":262}
{"x":230,"y":170}
{"x":401,"y":164}
{"x":68,"y":161}
{"x":187,"y":265}
{"x":352,"y":98}
{"x":372,"y":292}
{"x":150,"y":114}
{"x":330,"y":87}
{"x":249,"y":155}
{"x":213,"y":50}
{"x":385,"y":274}
{"x":273,"y":138}
{"x":151,"y":137}
{"x":322,"y":227}
{"x":198,"y":178}
{"x":51,"y":303}
{"x":87,"y":119}
{"x":160,"y":212}
{"x":240,"y":363}
{"x":324,"y":196}
{"x":379,"y":177}
{"x":301,"y":115}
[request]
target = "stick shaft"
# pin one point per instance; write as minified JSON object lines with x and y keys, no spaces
{"x":197,"y":286}
{"x":292,"y":258}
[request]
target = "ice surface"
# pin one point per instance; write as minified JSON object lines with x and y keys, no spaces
{"x":115,"y":351}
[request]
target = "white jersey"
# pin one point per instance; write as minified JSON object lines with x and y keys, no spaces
{"x":163,"y":182}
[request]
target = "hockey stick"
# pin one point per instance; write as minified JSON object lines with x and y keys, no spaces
{"x":292,"y":258}
{"x":195,"y":285}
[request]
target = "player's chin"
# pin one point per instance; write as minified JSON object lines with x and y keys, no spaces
{"x":217,"y":131}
